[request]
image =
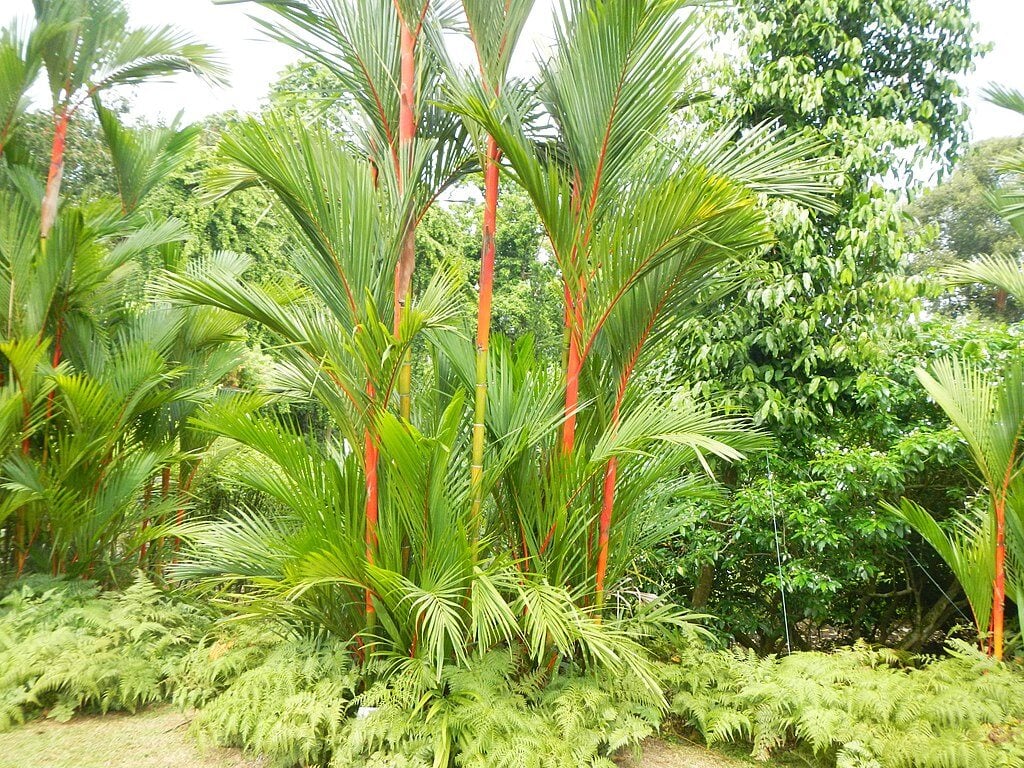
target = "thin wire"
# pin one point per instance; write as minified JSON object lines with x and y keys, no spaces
{"x":933,"y":581}
{"x":778,"y":553}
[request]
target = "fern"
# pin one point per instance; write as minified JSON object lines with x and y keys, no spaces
{"x":288,"y":708}
{"x":67,"y":647}
{"x":856,"y":708}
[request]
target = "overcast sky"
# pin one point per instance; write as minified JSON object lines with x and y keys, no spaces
{"x":255,"y":62}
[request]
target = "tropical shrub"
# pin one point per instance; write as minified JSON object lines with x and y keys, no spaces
{"x":398,"y":533}
{"x":97,"y":386}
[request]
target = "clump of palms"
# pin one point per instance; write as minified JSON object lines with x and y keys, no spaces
{"x":393,"y":532}
{"x":92,"y":384}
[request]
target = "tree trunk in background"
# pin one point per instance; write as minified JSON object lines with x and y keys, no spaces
{"x":702,"y":590}
{"x":934,"y":619}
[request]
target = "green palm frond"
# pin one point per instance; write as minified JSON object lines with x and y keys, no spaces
{"x":1007,"y":98}
{"x":90,"y":48}
{"x":144,"y":157}
{"x":988,"y":413}
{"x":20,"y":64}
{"x":765,"y":162}
{"x":1002,"y":272}
{"x":494,"y":29}
{"x":352,"y":246}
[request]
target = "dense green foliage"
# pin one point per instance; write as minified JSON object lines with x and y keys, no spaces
{"x":67,"y":647}
{"x":302,"y":704}
{"x":240,"y":356}
{"x":820,"y":345}
{"x":856,"y":708}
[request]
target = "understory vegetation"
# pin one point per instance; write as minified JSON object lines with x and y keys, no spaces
{"x":290,"y":699}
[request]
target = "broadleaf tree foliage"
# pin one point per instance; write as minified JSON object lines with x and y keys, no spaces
{"x":817,"y":345}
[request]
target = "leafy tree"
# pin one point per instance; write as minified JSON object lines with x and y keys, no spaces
{"x":966,"y":225}
{"x":879,"y":85}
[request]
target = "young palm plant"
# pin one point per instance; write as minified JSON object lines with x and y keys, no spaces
{"x":988,"y":411}
{"x":986,"y":551}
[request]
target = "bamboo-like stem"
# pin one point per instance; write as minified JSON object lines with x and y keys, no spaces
{"x":407,"y":258}
{"x":55,"y":175}
{"x":483,"y":328}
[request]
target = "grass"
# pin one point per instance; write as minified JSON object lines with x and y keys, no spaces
{"x":662,"y":754}
{"x":155,"y":738}
{"x":159,"y":738}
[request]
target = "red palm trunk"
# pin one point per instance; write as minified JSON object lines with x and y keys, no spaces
{"x":999,"y":587}
{"x":483,"y":324}
{"x":406,"y":136}
{"x":574,"y":365}
{"x":608,"y":494}
{"x":612,"y":468}
{"x":55,"y":175}
{"x":407,"y":258}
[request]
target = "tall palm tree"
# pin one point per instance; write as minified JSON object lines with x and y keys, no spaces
{"x":89,"y":377}
{"x":386,"y":54}
{"x":88,"y":48}
{"x":494,"y":29}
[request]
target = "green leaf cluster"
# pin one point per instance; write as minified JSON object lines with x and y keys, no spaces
{"x":859,"y":707}
{"x":67,"y":647}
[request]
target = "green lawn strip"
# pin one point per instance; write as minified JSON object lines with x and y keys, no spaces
{"x":154,"y":738}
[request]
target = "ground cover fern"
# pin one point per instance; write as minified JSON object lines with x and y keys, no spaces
{"x":856,"y":708}
{"x":305,"y":704}
{"x":65,"y":646}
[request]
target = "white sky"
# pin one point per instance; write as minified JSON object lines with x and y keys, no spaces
{"x":255,"y":61}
